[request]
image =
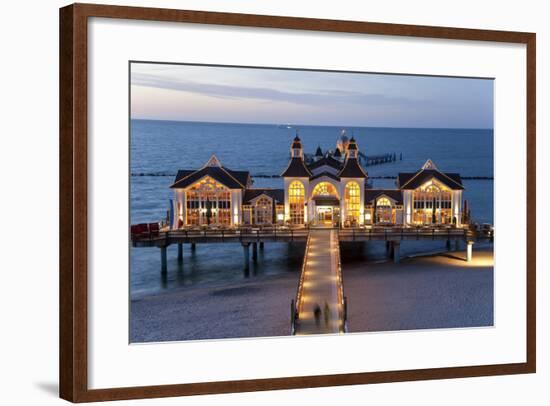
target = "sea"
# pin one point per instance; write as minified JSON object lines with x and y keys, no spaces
{"x":159,"y":148}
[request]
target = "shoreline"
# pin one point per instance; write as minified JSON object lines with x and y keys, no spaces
{"x":424,"y":291}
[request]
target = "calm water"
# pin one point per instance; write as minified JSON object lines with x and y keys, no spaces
{"x":163,"y":147}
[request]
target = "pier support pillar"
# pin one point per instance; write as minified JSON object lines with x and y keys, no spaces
{"x":246,"y":257}
{"x":261,"y":246}
{"x":193,"y":247}
{"x":254,"y":251}
{"x":163,"y":260}
{"x":469,"y":246}
{"x":396,"y":254}
{"x":180,"y":253}
{"x":388,"y":248}
{"x":448,"y":245}
{"x":457,"y":245}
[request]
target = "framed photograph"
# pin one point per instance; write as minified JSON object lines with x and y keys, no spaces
{"x":256,"y":202}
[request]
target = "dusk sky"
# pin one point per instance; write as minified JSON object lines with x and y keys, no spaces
{"x":241,"y":95}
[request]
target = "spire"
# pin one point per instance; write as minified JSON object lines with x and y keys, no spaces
{"x":352,"y":149}
{"x":296,"y":150}
{"x":319,"y":152}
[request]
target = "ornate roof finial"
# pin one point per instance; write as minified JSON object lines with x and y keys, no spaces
{"x":429,"y":165}
{"x":213,"y":161}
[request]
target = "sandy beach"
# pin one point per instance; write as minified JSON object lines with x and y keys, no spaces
{"x":425,"y":292}
{"x":255,"y":307}
{"x":440,"y":291}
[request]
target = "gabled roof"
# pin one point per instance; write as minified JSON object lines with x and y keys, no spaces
{"x":182,"y":173}
{"x":372,"y":194}
{"x":327,"y":174}
{"x":337,"y":153}
{"x":415,"y":180}
{"x":242,"y":176}
{"x":352,"y":169}
{"x":230,"y":179}
{"x":296,"y":169}
{"x":276,"y":194}
{"x":327,"y":160}
{"x":319,"y":151}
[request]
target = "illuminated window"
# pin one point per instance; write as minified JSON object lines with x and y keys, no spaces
{"x":263,"y":211}
{"x":296,"y":200}
{"x":384,"y":210}
{"x":208,"y":202}
{"x":353,"y":202}
{"x":324,"y":189}
{"x":432,"y":205}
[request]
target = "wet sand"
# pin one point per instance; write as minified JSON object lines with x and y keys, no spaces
{"x":440,"y":291}
{"x":256,"y":307}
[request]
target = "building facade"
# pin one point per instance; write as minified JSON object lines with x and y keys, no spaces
{"x":329,"y":189}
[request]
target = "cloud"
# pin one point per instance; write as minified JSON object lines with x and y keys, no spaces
{"x":224,"y":91}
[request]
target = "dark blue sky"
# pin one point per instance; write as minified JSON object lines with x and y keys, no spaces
{"x":220,"y":94}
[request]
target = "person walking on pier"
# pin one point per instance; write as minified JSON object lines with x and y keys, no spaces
{"x":317,"y":314}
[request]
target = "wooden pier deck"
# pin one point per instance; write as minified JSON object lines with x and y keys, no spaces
{"x":320,"y":286}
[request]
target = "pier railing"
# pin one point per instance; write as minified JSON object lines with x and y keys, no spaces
{"x":402,"y":233}
{"x":342,"y":300}
{"x":286,"y":234}
{"x":297,"y":303}
{"x":220,"y":235}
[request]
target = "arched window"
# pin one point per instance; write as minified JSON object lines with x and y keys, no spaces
{"x":208,"y":202}
{"x":296,"y":200}
{"x":353,"y":202}
{"x":383,"y":202}
{"x":384,"y":210}
{"x":263,"y":211}
{"x":432,"y":204}
{"x":324,"y":189}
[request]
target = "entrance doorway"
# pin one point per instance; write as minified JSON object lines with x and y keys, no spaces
{"x":325,"y":215}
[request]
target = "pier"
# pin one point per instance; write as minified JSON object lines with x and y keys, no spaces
{"x":321,"y":288}
{"x":252,"y":238}
{"x":370,"y":160}
{"x":319,"y":306}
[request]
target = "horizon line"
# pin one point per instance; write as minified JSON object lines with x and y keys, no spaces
{"x":297,"y":126}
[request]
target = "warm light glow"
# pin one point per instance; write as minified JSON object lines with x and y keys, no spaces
{"x":205,"y":194}
{"x":296,"y":199}
{"x":353,"y":201}
{"x":324,"y":189}
{"x":432,"y":204}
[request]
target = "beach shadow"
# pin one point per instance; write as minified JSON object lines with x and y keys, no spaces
{"x":51,"y":388}
{"x":453,"y":256}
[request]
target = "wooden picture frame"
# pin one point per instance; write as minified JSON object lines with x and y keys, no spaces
{"x":73,"y":201}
